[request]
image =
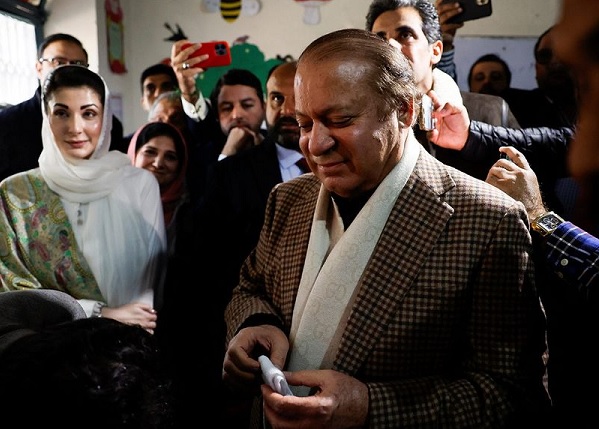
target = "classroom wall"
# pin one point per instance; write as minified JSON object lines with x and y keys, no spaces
{"x":277,"y":29}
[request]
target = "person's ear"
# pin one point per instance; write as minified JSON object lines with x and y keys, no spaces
{"x":436,"y":51}
{"x":38,"y":69}
{"x":406,"y":117}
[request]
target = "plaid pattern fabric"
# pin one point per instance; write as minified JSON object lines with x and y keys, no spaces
{"x":574,"y":254}
{"x":447,"y":329}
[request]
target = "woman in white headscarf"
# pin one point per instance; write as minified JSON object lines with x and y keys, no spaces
{"x":86,"y":221}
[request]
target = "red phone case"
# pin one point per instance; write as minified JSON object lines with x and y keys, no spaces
{"x":218,"y":51}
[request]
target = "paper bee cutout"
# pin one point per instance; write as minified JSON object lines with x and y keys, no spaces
{"x":231,"y":9}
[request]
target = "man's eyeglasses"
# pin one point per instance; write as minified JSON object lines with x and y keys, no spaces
{"x":60,"y":61}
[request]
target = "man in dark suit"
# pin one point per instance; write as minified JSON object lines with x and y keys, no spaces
{"x":396,"y":290}
{"x":21,"y":125}
{"x":238,"y":186}
{"x":230,"y":122}
{"x":228,"y":226}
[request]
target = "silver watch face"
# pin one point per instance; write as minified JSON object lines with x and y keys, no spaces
{"x":550,"y":222}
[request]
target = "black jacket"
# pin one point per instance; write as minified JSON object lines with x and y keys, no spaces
{"x":544,"y":148}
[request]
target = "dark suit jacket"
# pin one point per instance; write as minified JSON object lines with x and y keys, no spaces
{"x":206,"y":143}
{"x":232,"y":211}
{"x":21,"y":136}
{"x":532,"y":108}
{"x":446,"y":327}
{"x":225,"y":229}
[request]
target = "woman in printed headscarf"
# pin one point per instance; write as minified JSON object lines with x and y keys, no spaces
{"x":85,"y":222}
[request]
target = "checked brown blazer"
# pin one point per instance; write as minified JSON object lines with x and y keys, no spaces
{"x":447,"y":329}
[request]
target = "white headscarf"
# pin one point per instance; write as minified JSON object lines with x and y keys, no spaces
{"x":115,"y":213}
{"x":82,"y":180}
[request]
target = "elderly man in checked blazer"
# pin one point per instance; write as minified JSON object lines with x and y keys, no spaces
{"x":394,"y":290}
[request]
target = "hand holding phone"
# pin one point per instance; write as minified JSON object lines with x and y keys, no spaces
{"x":472,"y":9}
{"x":274,"y":377}
{"x":426,"y":122}
{"x":219,"y":54}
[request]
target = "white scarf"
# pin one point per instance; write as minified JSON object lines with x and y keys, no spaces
{"x":82,"y":180}
{"x":115,"y":213}
{"x":335,"y":262}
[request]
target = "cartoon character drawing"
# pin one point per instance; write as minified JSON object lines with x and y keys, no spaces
{"x":231,"y":9}
{"x":312,"y":10}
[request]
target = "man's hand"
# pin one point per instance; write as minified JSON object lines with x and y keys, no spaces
{"x":340,"y":401}
{"x":453,"y":124}
{"x":186,"y":77}
{"x":240,"y":138}
{"x":241,"y":369}
{"x":448,"y":30}
{"x":515,"y":177}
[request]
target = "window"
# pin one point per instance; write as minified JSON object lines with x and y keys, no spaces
{"x":20,"y":26}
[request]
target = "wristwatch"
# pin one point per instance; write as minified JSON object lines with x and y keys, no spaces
{"x":546,"y":223}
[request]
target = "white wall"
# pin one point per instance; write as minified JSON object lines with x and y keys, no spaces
{"x":76,"y":17}
{"x":277,"y":29}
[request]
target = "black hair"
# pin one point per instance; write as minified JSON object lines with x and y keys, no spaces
{"x":155,"y":69}
{"x":72,"y":76}
{"x":428,"y":14}
{"x":155,"y":129}
{"x":59,"y":37}
{"x":99,"y":371}
{"x":492,"y":58}
{"x":236,"y":77}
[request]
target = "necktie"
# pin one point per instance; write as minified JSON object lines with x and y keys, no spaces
{"x":303,"y":165}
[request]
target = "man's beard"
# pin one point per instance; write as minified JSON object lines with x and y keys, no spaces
{"x":489,"y":89}
{"x":287,"y":138}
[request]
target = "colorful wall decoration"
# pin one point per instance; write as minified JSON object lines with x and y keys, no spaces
{"x":311,"y":10}
{"x":114,"y":32}
{"x":231,"y":9}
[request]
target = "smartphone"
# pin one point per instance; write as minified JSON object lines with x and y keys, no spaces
{"x":218,"y":50}
{"x":471,"y":10}
{"x":426,"y":122}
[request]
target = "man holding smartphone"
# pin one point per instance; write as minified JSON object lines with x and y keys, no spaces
{"x":414,"y":24}
{"x":230,"y":122}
